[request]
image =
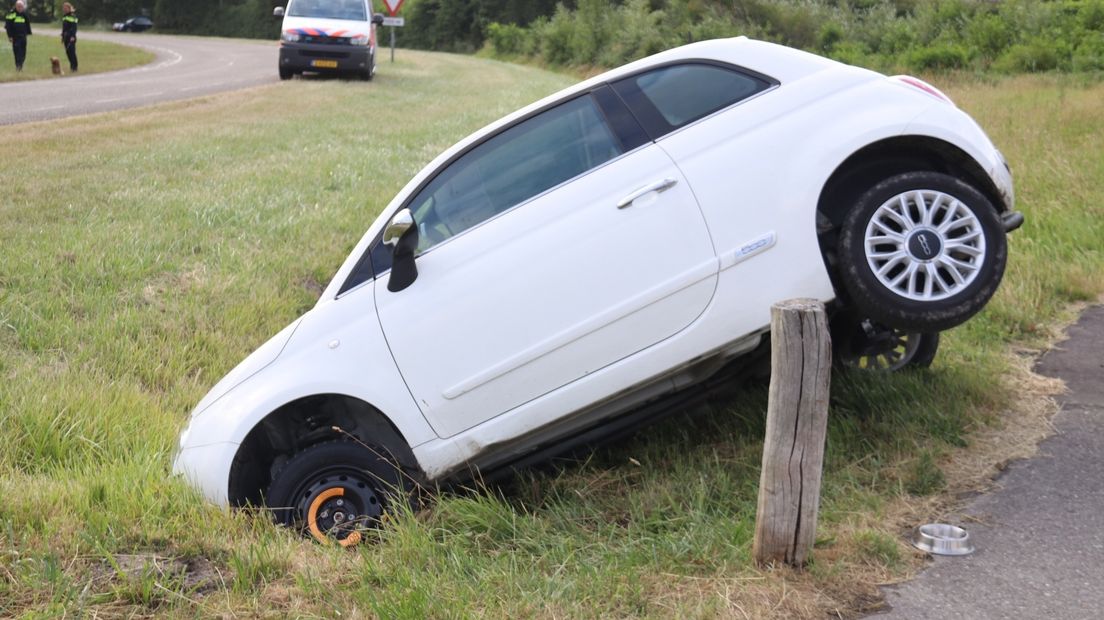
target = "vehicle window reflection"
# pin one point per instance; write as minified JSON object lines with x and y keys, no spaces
{"x":514,"y":166}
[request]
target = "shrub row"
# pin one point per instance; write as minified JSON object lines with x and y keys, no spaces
{"x":891,"y":35}
{"x":1008,"y":35}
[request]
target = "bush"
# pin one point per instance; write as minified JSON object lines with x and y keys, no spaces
{"x":638,"y":32}
{"x":508,"y":38}
{"x":1091,"y":15}
{"x":853,"y":54}
{"x":909,"y":35}
{"x":555,"y":36}
{"x":1089,"y":56}
{"x":939,"y":56}
{"x":718,"y":28}
{"x":895,"y":37}
{"x":990,"y":35}
{"x":831,"y":35}
{"x":1034,"y":56}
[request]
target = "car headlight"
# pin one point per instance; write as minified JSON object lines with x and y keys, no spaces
{"x":361,"y":40}
{"x":289,"y":37}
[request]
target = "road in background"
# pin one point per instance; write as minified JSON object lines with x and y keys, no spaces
{"x":1040,"y":538}
{"x":185,"y":67}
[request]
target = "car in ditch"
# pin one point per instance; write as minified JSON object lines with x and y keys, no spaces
{"x":580,"y":265}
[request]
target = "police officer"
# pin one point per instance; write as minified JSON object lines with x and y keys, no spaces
{"x":69,"y":33}
{"x":18,"y":29}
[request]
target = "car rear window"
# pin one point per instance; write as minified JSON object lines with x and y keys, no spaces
{"x":671,"y":97}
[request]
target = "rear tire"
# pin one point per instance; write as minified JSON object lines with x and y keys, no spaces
{"x":868,"y":346}
{"x":286,"y":74}
{"x":922,"y":252}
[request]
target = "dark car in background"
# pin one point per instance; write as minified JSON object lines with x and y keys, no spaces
{"x":134,"y":24}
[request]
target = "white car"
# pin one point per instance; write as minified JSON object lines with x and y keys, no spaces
{"x":572,"y":268}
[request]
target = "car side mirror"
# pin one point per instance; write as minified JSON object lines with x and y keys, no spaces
{"x":402,"y":234}
{"x":377,"y":19}
{"x":278,"y":11}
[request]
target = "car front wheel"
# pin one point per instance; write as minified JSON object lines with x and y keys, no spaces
{"x":922,"y":251}
{"x":336,"y":491}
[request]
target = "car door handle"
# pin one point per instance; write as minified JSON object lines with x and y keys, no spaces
{"x":657,"y":187}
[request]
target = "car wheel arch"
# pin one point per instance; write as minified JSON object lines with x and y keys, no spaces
{"x":897,"y":155}
{"x":302,"y":423}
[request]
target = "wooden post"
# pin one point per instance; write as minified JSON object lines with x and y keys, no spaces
{"x":797,"y":420}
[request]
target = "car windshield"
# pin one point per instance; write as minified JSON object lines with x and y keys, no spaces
{"x":329,"y":9}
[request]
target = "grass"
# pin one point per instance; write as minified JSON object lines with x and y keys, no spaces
{"x":94,"y":57}
{"x":144,"y":253}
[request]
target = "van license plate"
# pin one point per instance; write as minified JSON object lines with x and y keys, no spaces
{"x":324,"y":64}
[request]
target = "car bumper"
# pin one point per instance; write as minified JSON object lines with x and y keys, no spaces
{"x":1002,"y":179}
{"x":314,"y":57}
{"x":1011,"y":220}
{"x":207,"y":468}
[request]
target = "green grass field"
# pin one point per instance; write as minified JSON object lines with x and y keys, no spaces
{"x":144,"y":253}
{"x":94,"y":57}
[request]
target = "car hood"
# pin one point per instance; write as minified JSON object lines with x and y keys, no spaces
{"x":328,"y":27}
{"x":257,"y":361}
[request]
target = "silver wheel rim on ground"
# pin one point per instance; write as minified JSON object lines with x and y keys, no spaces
{"x":891,"y":359}
{"x":925,"y":245}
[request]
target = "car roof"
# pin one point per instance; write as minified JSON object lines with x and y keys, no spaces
{"x":778,"y":62}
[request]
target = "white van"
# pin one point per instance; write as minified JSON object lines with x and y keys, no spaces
{"x":328,"y":36}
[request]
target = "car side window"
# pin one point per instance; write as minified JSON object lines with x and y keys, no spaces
{"x":512,"y":167}
{"x":671,"y":97}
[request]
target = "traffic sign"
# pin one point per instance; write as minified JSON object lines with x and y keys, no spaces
{"x":394,"y":21}
{"x":393,"y":6}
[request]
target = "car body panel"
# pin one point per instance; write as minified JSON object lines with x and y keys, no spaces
{"x":550,"y":291}
{"x":257,"y":361}
{"x":335,"y":349}
{"x":950,"y":125}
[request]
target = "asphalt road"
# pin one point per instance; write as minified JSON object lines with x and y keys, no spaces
{"x":185,"y":67}
{"x":1040,"y":552}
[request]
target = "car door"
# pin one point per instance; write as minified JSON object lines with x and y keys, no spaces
{"x":716,"y":121}
{"x":557,"y":247}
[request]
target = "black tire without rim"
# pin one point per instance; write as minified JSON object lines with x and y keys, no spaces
{"x":286,"y":74}
{"x":370,"y":486}
{"x":877,"y":300}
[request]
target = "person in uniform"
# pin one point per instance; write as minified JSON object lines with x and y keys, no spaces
{"x":69,"y":33}
{"x":18,"y":29}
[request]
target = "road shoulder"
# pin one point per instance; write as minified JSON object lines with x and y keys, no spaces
{"x":1040,"y":535}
